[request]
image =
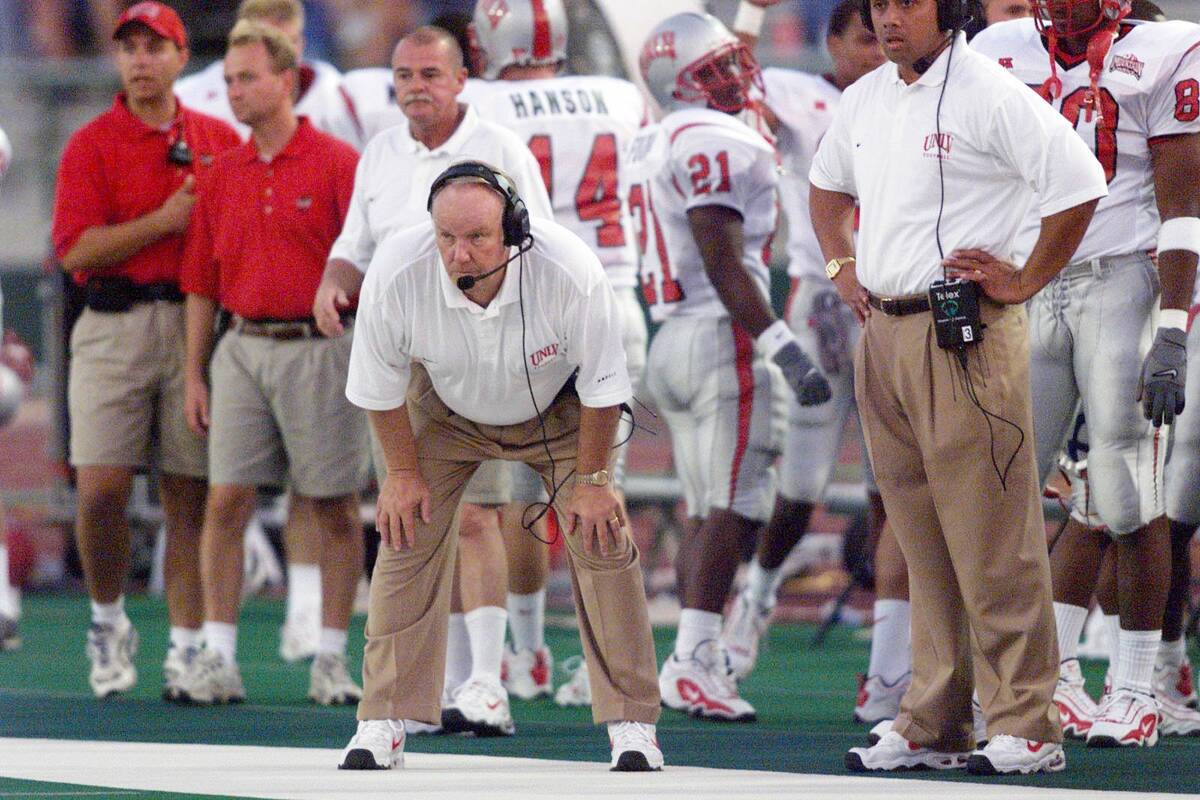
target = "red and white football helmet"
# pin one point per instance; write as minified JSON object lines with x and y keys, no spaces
{"x":692,"y":60}
{"x":518,"y":32}
{"x":1062,"y":15}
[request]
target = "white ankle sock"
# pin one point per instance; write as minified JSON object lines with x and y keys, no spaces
{"x":1069,"y":620}
{"x":1112,"y":625}
{"x":1135,"y":665}
{"x":183,"y":638}
{"x":332,"y":641}
{"x":1172,"y":654}
{"x":221,"y":637}
{"x":527,"y":619}
{"x":458,"y":653}
{"x":303,"y":590}
{"x":485,"y":627}
{"x":891,"y":641}
{"x":109,"y":613}
{"x":695,"y":626}
{"x":762,"y":585}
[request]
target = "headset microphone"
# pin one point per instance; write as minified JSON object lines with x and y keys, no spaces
{"x":467,"y":282}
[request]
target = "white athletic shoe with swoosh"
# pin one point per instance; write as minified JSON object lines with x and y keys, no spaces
{"x":1076,"y":708}
{"x":1012,"y":755}
{"x":704,"y":685}
{"x":634,"y":747}
{"x":480,"y":707}
{"x":1126,"y":719}
{"x":893,"y":752}
{"x":377,"y":744}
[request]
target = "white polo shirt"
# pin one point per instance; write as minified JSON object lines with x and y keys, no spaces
{"x":410,"y":310}
{"x":391,"y":185}
{"x":1000,"y":144}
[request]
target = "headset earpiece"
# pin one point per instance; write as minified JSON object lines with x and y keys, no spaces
{"x":515,"y":220}
{"x":952,"y":14}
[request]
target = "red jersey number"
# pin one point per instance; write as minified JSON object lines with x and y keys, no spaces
{"x":596,"y":198}
{"x":642,"y":210}
{"x":1106,"y":133}
{"x":701,"y":170}
{"x":1187,"y":100}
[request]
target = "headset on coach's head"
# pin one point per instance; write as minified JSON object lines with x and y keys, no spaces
{"x":515,"y":221}
{"x":952,"y":14}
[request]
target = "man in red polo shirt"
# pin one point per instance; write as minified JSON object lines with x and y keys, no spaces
{"x":268,"y":213}
{"x":125,"y":193}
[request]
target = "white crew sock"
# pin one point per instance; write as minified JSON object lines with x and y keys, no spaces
{"x":485,"y":628}
{"x":183,"y":638}
{"x":762,"y":585}
{"x":109,"y":613}
{"x":527,"y":619}
{"x":332,"y":641}
{"x":1135,"y":665}
{"x":695,"y":626}
{"x":7,"y":592}
{"x":458,"y":653}
{"x":304,"y":590}
{"x":1112,"y":625}
{"x":1172,"y":654}
{"x":221,"y":637}
{"x":1069,"y":620}
{"x":891,"y":641}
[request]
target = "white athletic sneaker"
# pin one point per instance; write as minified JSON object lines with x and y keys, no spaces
{"x":704,"y":685}
{"x":526,"y":673}
{"x":1175,"y":684}
{"x":744,"y":628}
{"x":480,"y":707}
{"x":577,"y":691}
{"x":174,"y":666}
{"x":879,"y":731}
{"x":329,"y":684}
{"x":210,"y":679}
{"x":878,"y":700}
{"x":1012,"y":755}
{"x":1126,"y":719}
{"x":377,"y":744}
{"x":894,"y":752}
{"x":1177,"y":719}
{"x":634,"y":747}
{"x":111,"y":649}
{"x":299,"y":636}
{"x":10,"y":638}
{"x":1076,"y":708}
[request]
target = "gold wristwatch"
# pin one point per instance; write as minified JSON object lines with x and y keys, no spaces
{"x":835,"y":266}
{"x":597,"y":478}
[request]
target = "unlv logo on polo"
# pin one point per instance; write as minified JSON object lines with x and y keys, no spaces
{"x":546,"y":353}
{"x":660,"y":46}
{"x":938,"y":145}
{"x":496,"y":11}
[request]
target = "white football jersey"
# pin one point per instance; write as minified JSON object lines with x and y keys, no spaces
{"x":804,"y":104}
{"x":372,"y":91}
{"x":693,"y":158}
{"x":1150,"y":88}
{"x":322,"y":99}
{"x":578,"y":128}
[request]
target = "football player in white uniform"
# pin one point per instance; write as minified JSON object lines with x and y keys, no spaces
{"x":322,"y":99}
{"x":578,"y":128}
{"x":703,"y":202}
{"x":1108,"y":331}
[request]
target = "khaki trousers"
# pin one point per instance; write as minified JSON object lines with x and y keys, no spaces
{"x":978,"y":567}
{"x":405,"y":655}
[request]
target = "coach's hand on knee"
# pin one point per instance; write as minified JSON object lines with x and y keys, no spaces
{"x":404,"y":493}
{"x":594,"y":514}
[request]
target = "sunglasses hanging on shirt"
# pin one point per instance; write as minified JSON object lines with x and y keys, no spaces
{"x":180,"y":154}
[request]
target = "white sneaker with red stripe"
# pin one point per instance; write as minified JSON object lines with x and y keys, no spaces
{"x":894,"y":752}
{"x":1177,"y":719}
{"x":1076,"y":708}
{"x":1126,"y":719}
{"x":879,"y":700}
{"x":704,"y":685}
{"x":1175,"y":683}
{"x":480,"y":707}
{"x":377,"y":744}
{"x":634,"y":747}
{"x":744,"y":628}
{"x":526,"y":673}
{"x":1012,"y":755}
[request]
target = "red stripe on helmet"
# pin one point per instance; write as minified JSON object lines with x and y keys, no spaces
{"x":542,"y":43}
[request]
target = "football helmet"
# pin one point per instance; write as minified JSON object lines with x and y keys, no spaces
{"x":1063,"y":17}
{"x":518,"y":32}
{"x":692,"y":60}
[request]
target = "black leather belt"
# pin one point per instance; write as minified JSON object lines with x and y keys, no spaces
{"x":281,"y":329}
{"x":118,"y":293}
{"x":899,"y":306}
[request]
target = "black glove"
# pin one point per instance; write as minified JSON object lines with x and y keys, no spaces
{"x":830,"y":319}
{"x":1163,"y":375}
{"x":807,"y":382}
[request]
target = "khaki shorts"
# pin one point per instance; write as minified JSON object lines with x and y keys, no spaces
{"x":125,"y":391}
{"x":280,"y":415}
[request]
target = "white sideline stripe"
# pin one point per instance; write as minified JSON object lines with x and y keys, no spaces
{"x":294,"y":773}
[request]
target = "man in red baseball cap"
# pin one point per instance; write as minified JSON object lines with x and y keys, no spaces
{"x":126,"y":186}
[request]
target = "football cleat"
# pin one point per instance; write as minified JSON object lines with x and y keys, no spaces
{"x":174,"y":666}
{"x":877,"y":699}
{"x":634,"y":747}
{"x":299,"y":636}
{"x":1012,"y":755}
{"x":1126,"y":719}
{"x":526,"y":673}
{"x":210,"y":679}
{"x":577,"y":691}
{"x":480,"y":707}
{"x":744,"y":628}
{"x":111,"y":649}
{"x":1076,"y":708}
{"x":377,"y":744}
{"x":704,"y":685}
{"x":329,"y":683}
{"x":894,"y":752}
{"x":1175,"y":683}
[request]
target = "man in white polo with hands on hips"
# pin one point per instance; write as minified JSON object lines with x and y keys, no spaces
{"x":517,"y":342}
